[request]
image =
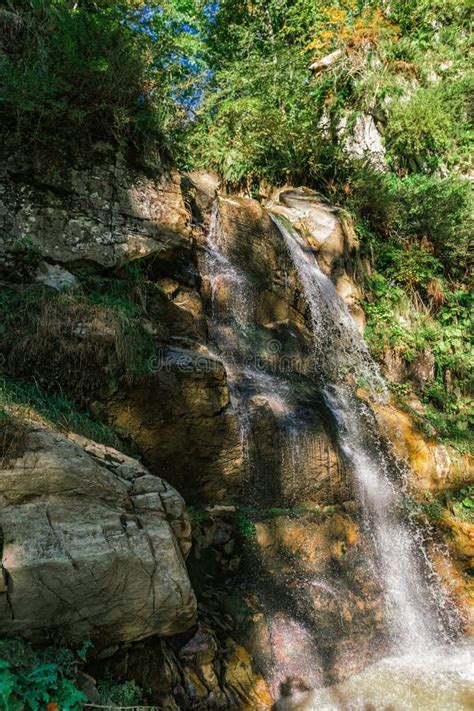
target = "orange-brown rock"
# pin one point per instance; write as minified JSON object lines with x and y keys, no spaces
{"x":433,"y":467}
{"x":312,"y":570}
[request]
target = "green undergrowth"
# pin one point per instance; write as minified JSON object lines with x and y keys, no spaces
{"x":423,"y":318}
{"x":458,"y":505}
{"x":33,"y":679}
{"x":30,"y":679}
{"x":23,"y":398}
{"x":119,"y":695}
{"x":81,"y":71}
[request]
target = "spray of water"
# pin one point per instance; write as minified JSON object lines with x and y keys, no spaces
{"x":414,"y":608}
{"x":418,"y":615}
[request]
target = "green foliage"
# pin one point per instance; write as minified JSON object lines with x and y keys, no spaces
{"x":462,"y":503}
{"x":427,"y":130}
{"x":87,"y":70}
{"x":31,"y":679}
{"x":394,"y":324}
{"x":458,"y":504}
{"x":26,"y":397}
{"x":246,"y":525}
{"x":114,"y":694}
{"x":434,"y":508}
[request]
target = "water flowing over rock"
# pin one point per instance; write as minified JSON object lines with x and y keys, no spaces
{"x":395,"y":601}
{"x":263,"y":407}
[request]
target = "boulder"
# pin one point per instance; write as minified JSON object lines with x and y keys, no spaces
{"x":208,"y":671}
{"x":92,"y":545}
{"x":55,"y":277}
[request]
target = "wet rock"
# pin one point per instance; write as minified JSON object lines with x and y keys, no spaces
{"x":293,"y":467}
{"x":330,"y":236}
{"x":433,"y":467}
{"x":313,"y":574}
{"x":200,"y":190}
{"x":209,"y":671}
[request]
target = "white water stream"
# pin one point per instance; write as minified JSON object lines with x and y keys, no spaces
{"x":425,"y":672}
{"x":418,"y":615}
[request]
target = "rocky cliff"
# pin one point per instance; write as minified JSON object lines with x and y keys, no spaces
{"x":94,"y":541}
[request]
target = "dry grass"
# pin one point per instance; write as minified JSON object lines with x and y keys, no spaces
{"x":68,"y":342}
{"x":13,"y":439}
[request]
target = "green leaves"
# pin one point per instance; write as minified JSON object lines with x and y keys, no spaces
{"x":95,"y":70}
{"x":29,"y":680}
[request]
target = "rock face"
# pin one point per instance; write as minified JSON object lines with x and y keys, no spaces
{"x":184,"y":424}
{"x":363,"y":140}
{"x":315,"y":565}
{"x":207,"y":671}
{"x":433,"y":467}
{"x":297,"y":585}
{"x":329,"y":235}
{"x":92,"y":545}
{"x":97,"y":211}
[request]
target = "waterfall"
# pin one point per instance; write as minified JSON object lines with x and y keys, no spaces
{"x":334,"y":330}
{"x":417,"y":614}
{"x":413,"y":607}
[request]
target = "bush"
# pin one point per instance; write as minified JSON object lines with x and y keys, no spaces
{"x":425,"y":131}
{"x":30,"y":679}
{"x":88,"y":70}
{"x":114,"y":694}
{"x":408,"y":211}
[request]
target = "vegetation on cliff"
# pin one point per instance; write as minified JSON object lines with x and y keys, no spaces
{"x":228,"y":86}
{"x":82,"y":70}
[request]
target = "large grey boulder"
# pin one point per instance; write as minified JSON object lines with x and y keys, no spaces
{"x":92,"y":545}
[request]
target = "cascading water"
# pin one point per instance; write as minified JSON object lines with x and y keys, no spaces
{"x":412,"y":621}
{"x":417,"y":613}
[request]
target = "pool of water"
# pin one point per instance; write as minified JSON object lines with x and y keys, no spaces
{"x":441,"y":680}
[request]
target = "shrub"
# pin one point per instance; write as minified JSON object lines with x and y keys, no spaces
{"x":114,"y":694}
{"x":30,"y":679}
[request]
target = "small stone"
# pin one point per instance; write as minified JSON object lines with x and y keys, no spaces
{"x":55,"y":277}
